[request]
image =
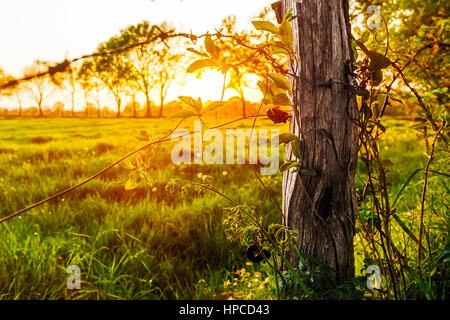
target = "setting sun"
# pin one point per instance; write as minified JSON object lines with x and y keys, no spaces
{"x":68,"y":29}
{"x":209,"y":86}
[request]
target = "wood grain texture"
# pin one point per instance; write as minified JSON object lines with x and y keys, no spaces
{"x":322,"y":208}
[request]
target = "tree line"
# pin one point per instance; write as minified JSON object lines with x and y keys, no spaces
{"x":146,"y":71}
{"x":141,"y":70}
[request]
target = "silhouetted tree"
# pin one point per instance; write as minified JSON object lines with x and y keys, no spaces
{"x":113,"y":70}
{"x":38,"y":88}
{"x":142,"y":59}
{"x":90,"y":83}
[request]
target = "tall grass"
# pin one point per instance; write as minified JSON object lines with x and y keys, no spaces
{"x":140,"y":244}
{"x":147,"y":243}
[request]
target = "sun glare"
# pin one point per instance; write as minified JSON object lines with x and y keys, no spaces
{"x":207,"y":86}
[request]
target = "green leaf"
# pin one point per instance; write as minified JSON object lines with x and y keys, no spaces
{"x":288,"y":165}
{"x":386,"y":163}
{"x":277,"y":49}
{"x":377,"y":77}
{"x":184,"y":114}
{"x":382,"y":128}
{"x":378,"y":61}
{"x":398,"y":100}
{"x":288,"y":15}
{"x":265,"y":26}
{"x":276,"y":91}
{"x":202,"y":63}
{"x":365,"y":36}
{"x":197,"y":52}
{"x":379,"y":125}
{"x":284,"y":166}
{"x":280,"y":81}
{"x":282,"y":100}
{"x":286,"y":138}
{"x":213,"y":106}
{"x":264,"y":87}
{"x":196,"y":104}
{"x":133,"y":182}
{"x":296,"y":148}
{"x":286,"y":33}
{"x":212,"y":49}
{"x":366,"y":111}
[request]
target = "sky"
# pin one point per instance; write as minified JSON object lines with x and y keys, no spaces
{"x":55,"y":29}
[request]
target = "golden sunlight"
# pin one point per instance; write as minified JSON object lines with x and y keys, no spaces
{"x":209,"y":86}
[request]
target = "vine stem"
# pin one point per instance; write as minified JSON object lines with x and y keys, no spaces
{"x":272,"y":241}
{"x":422,"y":202}
{"x":268,"y":191}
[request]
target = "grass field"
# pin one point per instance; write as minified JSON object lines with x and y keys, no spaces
{"x":148,"y":243}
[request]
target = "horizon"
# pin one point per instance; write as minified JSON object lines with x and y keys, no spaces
{"x":61,"y":30}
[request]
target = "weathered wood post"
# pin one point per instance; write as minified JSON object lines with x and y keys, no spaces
{"x":322,"y":208}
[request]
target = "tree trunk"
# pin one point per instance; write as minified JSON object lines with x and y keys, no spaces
{"x":98,"y":102}
{"x":86,"y":112}
{"x":162,"y":103}
{"x":20,"y":107}
{"x":73,"y":105}
{"x":119,"y":103}
{"x":321,"y":208}
{"x":148,"y":113}
{"x":41,"y":113}
{"x":161,"y":109}
{"x":133,"y":97}
{"x":241,"y":94}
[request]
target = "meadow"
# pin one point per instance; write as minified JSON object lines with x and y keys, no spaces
{"x":149,"y":243}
